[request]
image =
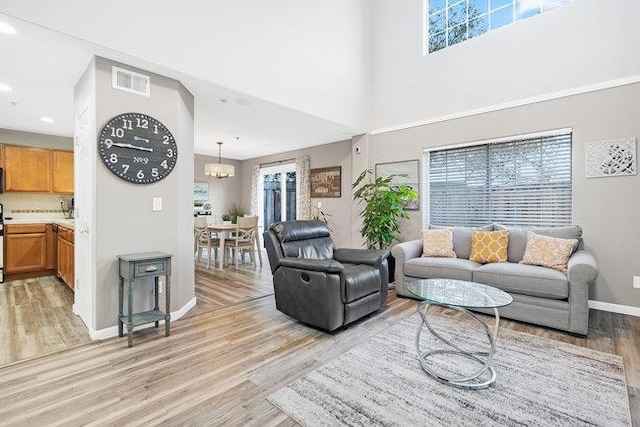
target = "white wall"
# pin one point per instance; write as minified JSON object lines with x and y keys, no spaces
{"x":308,"y":55}
{"x":123,"y":216}
{"x":585,"y":42}
{"x":605,"y":208}
{"x":339,"y":208}
{"x":222,"y":192}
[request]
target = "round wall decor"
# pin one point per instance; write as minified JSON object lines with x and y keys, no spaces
{"x":137,"y":148}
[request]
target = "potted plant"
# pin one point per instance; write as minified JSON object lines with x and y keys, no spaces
{"x":318,"y":214}
{"x":233,"y":212}
{"x":384,"y":206}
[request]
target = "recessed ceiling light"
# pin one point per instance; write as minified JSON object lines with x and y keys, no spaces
{"x":6,"y":28}
{"x":46,"y":119}
{"x":5,"y":88}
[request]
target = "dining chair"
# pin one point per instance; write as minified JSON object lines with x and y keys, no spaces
{"x":243,"y":239}
{"x":204,"y":239}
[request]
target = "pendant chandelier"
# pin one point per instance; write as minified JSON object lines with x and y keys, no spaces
{"x":219,"y":170}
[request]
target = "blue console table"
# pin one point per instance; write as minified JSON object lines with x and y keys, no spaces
{"x":138,"y":266}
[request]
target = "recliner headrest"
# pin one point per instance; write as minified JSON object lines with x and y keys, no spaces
{"x":290,"y":231}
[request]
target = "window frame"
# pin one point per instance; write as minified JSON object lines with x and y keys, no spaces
{"x":513,"y":4}
{"x":426,"y":181}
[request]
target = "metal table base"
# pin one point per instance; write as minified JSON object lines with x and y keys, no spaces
{"x":483,"y":359}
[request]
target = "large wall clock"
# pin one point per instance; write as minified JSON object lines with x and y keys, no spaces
{"x":137,"y":148}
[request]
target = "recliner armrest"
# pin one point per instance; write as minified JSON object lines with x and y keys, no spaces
{"x":325,"y":265}
{"x":372,"y":257}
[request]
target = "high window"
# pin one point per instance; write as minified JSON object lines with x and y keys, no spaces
{"x":524,"y":181}
{"x":451,"y":21}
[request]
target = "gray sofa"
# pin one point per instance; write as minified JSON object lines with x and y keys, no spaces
{"x":541,"y":295}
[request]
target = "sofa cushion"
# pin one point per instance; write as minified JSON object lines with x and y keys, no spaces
{"x":548,"y":251}
{"x":489,"y":246}
{"x":447,"y":268}
{"x":462,"y":238}
{"x":518,"y":237}
{"x":360,"y":280}
{"x":524,"y":279}
{"x":438,"y":243}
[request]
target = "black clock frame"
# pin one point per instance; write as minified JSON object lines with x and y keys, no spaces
{"x":137,"y":148}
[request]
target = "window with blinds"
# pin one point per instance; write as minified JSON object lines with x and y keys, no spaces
{"x":522,"y":182}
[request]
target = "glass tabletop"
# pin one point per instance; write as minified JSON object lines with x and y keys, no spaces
{"x":458,"y":293}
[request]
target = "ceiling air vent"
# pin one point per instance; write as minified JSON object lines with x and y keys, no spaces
{"x":131,"y":82}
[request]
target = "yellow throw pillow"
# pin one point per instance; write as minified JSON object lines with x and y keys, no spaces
{"x":548,"y":251}
{"x":489,"y":246}
{"x":438,"y":243}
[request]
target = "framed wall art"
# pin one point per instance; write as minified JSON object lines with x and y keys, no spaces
{"x":411,"y":168}
{"x":615,"y":157}
{"x":326,"y":182}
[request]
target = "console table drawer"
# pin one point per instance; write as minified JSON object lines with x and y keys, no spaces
{"x":152,"y":268}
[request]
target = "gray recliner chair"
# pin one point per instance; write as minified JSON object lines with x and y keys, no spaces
{"x":318,"y":284}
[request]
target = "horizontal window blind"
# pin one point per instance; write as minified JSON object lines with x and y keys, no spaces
{"x":524,"y":182}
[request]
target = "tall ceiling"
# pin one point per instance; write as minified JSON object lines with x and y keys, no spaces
{"x":42,"y":65}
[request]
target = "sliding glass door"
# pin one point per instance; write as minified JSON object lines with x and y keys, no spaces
{"x":277,"y":194}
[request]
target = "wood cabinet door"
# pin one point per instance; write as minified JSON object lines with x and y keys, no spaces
{"x":25,"y":252}
{"x":52,"y":247}
{"x":66,"y":258}
{"x":27,"y":169}
{"x":62,"y":171}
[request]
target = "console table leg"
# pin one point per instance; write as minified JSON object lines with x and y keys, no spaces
{"x":167,"y":313}
{"x":130,"y":317}
{"x":120,"y":306}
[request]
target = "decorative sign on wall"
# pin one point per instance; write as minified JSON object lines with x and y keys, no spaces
{"x":615,"y":157}
{"x":326,"y":182}
{"x":410,"y":168}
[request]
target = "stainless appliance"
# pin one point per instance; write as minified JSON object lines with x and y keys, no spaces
{"x":1,"y":244}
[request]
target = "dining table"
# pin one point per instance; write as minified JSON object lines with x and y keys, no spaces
{"x":223,"y":231}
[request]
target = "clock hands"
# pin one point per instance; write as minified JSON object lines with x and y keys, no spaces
{"x":137,"y":138}
{"x":135,"y":147}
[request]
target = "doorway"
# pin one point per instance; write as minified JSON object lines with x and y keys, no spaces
{"x":277,"y":188}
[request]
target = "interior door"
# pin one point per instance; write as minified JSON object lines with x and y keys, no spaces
{"x":84,"y":250}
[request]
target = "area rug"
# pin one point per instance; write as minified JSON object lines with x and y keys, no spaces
{"x":540,"y":382}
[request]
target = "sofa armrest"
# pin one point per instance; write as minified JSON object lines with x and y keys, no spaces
{"x":582,"y":270}
{"x":372,"y":257}
{"x":322,"y":265}
{"x":402,"y":253}
{"x":582,"y":267}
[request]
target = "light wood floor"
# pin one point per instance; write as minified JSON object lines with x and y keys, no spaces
{"x":36,"y":319}
{"x":221,"y":361}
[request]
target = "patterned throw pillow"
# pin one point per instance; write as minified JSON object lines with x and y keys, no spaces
{"x":438,"y":243}
{"x":489,"y":246}
{"x":548,"y":251}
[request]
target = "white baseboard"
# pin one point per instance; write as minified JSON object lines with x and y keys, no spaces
{"x":111,"y":332}
{"x":615,"y":308}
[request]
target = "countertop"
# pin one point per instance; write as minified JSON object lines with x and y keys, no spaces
{"x":67,"y":223}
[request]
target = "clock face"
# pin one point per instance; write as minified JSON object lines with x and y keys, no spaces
{"x":137,"y":148}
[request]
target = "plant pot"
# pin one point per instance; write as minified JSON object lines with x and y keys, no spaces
{"x":391,"y":261}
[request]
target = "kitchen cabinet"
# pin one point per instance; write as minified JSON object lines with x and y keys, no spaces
{"x":27,"y":169}
{"x":25,"y":248}
{"x":52,"y":247}
{"x":66,"y":255}
{"x":38,"y":170}
{"x":62,"y":164}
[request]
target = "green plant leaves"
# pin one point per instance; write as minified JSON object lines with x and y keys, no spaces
{"x":385,"y":202}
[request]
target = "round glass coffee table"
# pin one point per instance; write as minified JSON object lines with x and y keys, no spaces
{"x":459,"y":295}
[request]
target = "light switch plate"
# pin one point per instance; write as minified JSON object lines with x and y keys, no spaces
{"x":157,"y":204}
{"x":636,"y":282}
